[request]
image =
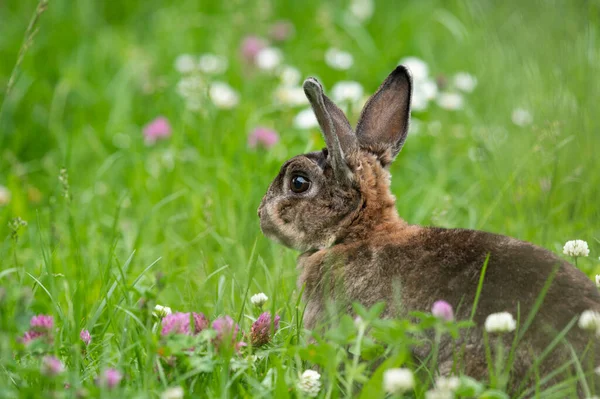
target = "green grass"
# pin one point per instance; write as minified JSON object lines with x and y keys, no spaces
{"x":175,"y":223}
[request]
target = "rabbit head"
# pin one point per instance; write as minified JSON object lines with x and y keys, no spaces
{"x":326,"y":197}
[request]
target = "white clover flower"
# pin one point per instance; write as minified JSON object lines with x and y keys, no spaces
{"x":417,"y":67}
{"x":428,"y":87}
{"x":500,"y":322}
{"x":447,"y":383}
{"x":465,"y":82}
{"x":212,"y":64}
{"x":173,"y":393}
{"x":521,"y":117}
{"x":450,"y":101}
{"x":398,"y":380}
{"x":347,"y":91}
{"x":439,"y":394}
{"x":161,"y":311}
{"x":590,"y":320}
{"x":309,"y":383}
{"x":338,"y":59}
{"x":190,"y":86}
{"x":289,"y":76}
{"x":223,"y":95}
{"x":598,"y":280}
{"x":4,"y":196}
{"x":292,"y":96}
{"x":259,"y":299}
{"x":576,"y":248}
{"x":418,"y":101}
{"x":597,"y":370}
{"x":269,"y":58}
{"x":362,"y":9}
{"x":306,"y":119}
{"x":185,"y":63}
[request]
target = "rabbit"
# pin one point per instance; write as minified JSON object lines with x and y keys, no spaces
{"x":336,"y":208}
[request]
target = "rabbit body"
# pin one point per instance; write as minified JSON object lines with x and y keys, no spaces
{"x":335,"y":206}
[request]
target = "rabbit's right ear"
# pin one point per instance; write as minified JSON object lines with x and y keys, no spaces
{"x":383,"y":124}
{"x":339,"y":137}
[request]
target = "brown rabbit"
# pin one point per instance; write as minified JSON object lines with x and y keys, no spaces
{"x":335,"y":206}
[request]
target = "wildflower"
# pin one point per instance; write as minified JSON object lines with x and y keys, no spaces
{"x":309,"y":383}
{"x":576,"y":248}
{"x":417,"y":67}
{"x":281,"y":30}
{"x":225,"y":327}
{"x":268,"y":58}
{"x":179,"y":323}
{"x":161,"y":311}
{"x":172,"y":393}
{"x":428,"y":88}
{"x":306,"y":119}
{"x":259,"y":299}
{"x":447,"y":383}
{"x":590,"y":320}
{"x":439,"y":394}
{"x":338,"y":59}
{"x":85,"y":337}
{"x":362,"y":9}
{"x":266,"y":138}
{"x":251,"y":46}
{"x":442,"y":310}
{"x":465,"y":82}
{"x":185,"y":63}
{"x":292,"y":96}
{"x":597,"y":371}
{"x":398,"y":380}
{"x":450,"y":101}
{"x":110,"y":378}
{"x":51,"y":366}
{"x":42,"y":323}
{"x":260,"y":334}
{"x":190,"y":86}
{"x":521,"y":117}
{"x":347,"y":91}
{"x":212,"y":64}
{"x":157,"y":129}
{"x":223,"y":96}
{"x":598,"y":280}
{"x":500,"y":322}
{"x":289,"y":76}
{"x":30,"y":336}
{"x":4,"y":196}
{"x":418,"y":101}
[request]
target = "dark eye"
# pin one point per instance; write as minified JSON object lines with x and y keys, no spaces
{"x":299,"y":184}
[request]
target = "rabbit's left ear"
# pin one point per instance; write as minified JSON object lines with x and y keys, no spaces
{"x":383,"y":124}
{"x":339,"y":137}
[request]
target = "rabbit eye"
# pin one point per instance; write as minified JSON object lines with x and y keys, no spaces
{"x":299,"y":184}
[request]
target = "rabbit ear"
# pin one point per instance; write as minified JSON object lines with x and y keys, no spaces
{"x":383,"y":124}
{"x":339,"y":137}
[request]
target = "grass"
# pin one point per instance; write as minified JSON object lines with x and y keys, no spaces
{"x":175,"y":223}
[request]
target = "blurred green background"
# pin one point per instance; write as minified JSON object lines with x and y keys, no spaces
{"x":97,"y":72}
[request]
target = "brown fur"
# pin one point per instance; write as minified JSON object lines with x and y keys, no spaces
{"x":356,"y":247}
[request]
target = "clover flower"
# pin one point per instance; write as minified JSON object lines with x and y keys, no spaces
{"x":251,"y":46}
{"x":500,"y":322}
{"x":226,"y":329}
{"x":305,"y":119}
{"x":260,"y":333}
{"x":259,"y":299}
{"x":442,"y":310}
{"x":85,"y":336}
{"x":576,"y":248}
{"x":52,"y":366}
{"x":281,"y":30}
{"x":338,"y":59}
{"x":158,"y":128}
{"x":309,"y":383}
{"x":179,"y":323}
{"x":521,"y":117}
{"x":268,"y":58}
{"x":417,"y":67}
{"x":4,"y":196}
{"x":185,"y":63}
{"x":173,"y":393}
{"x":110,"y":378}
{"x":161,"y":311}
{"x":212,"y":64}
{"x":347,"y":91}
{"x":398,"y":380}
{"x":450,"y":101}
{"x":223,"y":96}
{"x":41,"y":323}
{"x":590,"y":320}
{"x":465,"y":82}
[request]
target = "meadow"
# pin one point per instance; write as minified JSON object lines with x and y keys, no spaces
{"x":137,"y":139}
